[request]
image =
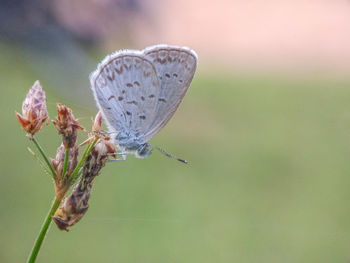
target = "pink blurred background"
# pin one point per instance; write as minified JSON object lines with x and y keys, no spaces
{"x":281,"y":37}
{"x":257,"y":34}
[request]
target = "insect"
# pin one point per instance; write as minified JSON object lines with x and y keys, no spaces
{"x":138,"y":91}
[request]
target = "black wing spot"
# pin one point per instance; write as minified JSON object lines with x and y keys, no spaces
{"x":123,"y":91}
{"x":111,"y":97}
{"x":128,"y":113}
{"x":142,"y":98}
{"x":151,"y":96}
{"x":119,"y":70}
{"x":108,"y":108}
{"x":167,"y":75}
{"x":142,"y":117}
{"x":180,"y":80}
{"x":175,"y":75}
{"x":162,"y":100}
{"x":120,"y":98}
{"x":112,"y":77}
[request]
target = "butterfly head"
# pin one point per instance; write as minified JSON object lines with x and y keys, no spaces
{"x":143,"y":151}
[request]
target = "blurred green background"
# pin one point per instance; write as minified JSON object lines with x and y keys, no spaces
{"x":268,"y":179}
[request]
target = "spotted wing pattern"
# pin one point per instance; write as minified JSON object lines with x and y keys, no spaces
{"x":175,"y":67}
{"x":126,"y":88}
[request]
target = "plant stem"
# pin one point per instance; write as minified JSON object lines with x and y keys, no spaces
{"x":45,"y":157}
{"x":88,"y":150}
{"x":65,"y":164}
{"x":42,"y":233}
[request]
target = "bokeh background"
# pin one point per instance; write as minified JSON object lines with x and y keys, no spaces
{"x":265,"y":126}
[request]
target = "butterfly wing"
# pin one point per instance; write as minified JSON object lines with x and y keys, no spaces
{"x":126,"y":89}
{"x":175,"y":67}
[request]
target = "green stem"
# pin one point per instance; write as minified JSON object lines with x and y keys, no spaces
{"x":45,"y":157}
{"x":88,"y":150}
{"x":65,"y":164}
{"x":42,"y":233}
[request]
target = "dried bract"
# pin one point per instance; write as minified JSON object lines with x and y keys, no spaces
{"x":96,"y":127}
{"x":66,"y":125}
{"x":34,"y":112}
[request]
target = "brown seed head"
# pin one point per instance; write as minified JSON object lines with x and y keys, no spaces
{"x":34,"y":112}
{"x":66,"y":125}
{"x":75,"y":206}
{"x":72,"y":209}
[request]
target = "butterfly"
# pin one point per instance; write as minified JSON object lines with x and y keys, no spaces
{"x":138,"y":91}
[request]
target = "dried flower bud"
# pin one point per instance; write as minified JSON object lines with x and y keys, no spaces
{"x":96,"y":127}
{"x":61,"y":184}
{"x":34,"y":112}
{"x":66,"y":125}
{"x":75,"y":206}
{"x":72,"y":208}
{"x":58,"y":162}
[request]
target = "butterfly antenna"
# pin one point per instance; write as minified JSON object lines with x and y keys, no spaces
{"x":168,"y":154}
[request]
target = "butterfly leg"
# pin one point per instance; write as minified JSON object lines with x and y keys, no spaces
{"x":123,"y":158}
{"x":113,"y":154}
{"x":114,"y":160}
